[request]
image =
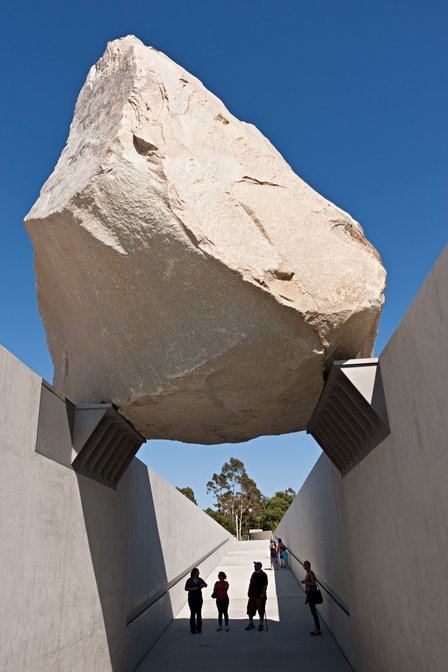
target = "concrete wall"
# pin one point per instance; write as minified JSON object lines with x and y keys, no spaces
{"x":379,"y":536}
{"x":77,"y":559}
{"x":257,"y":535}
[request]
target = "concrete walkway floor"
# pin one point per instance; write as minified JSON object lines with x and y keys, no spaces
{"x":288,"y":642}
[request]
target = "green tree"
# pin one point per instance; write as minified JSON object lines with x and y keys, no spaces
{"x":188,"y":492}
{"x":222,"y":519}
{"x":275,"y":507}
{"x":236,"y":496}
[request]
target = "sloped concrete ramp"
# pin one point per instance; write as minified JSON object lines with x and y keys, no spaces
{"x":288,"y":643}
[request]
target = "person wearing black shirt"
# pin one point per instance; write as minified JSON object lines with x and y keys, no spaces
{"x":194,"y":586}
{"x":257,"y":596}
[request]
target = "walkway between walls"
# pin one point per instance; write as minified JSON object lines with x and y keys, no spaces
{"x":287,"y":642}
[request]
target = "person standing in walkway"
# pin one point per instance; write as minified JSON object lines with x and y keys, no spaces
{"x":257,"y":596}
{"x":220,"y":591}
{"x":273,"y":554}
{"x":281,"y":549}
{"x":311,"y":587}
{"x":194,"y":586}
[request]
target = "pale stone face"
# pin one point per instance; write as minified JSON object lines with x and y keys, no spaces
{"x":184,"y":271}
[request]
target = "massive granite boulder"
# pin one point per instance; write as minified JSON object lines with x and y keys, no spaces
{"x":184,"y":271}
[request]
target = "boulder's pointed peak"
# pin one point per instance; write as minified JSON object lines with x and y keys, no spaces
{"x":130,"y":42}
{"x":126,"y":40}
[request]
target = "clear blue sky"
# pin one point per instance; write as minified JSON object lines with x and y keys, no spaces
{"x":352,"y":93}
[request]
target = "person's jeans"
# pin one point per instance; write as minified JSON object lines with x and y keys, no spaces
{"x":223,"y":608}
{"x":314,"y":614}
{"x":195,"y":614}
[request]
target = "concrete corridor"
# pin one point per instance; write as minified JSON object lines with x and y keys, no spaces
{"x":287,"y":642}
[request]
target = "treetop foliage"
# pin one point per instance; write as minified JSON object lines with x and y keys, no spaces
{"x":239,"y":504}
{"x":188,"y":492}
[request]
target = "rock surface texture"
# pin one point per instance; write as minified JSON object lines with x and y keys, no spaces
{"x":184,"y":271}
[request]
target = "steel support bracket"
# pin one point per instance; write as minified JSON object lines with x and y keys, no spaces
{"x":350,"y":418}
{"x":104,"y":443}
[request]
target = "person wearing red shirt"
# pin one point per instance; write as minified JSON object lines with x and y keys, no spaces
{"x":222,"y":600}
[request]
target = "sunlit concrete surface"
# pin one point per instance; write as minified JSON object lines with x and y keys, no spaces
{"x":287,"y":643}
